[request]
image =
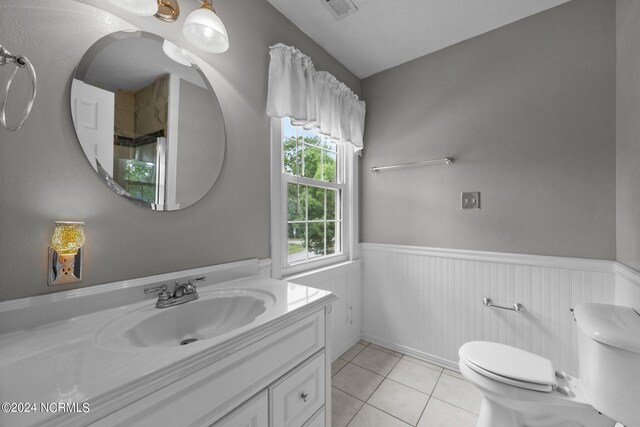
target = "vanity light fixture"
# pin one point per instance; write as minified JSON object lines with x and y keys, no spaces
{"x":65,"y":253}
{"x":138,"y":7}
{"x":205,"y":29}
{"x":168,"y":10}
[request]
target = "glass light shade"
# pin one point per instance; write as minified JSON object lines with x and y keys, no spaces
{"x":68,"y":237}
{"x":206,"y":31}
{"x":176,"y":53}
{"x":138,"y":7}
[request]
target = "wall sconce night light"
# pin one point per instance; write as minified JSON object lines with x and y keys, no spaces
{"x":65,"y":253}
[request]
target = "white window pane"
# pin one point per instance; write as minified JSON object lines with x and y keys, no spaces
{"x":296,"y":243}
{"x":291,"y":156}
{"x":312,"y":158}
{"x":329,"y":166}
{"x":296,"y":202}
{"x":331,"y":206}
{"x":315,"y":203}
{"x":288,"y":131}
{"x":316,"y":239}
{"x":331,"y":238}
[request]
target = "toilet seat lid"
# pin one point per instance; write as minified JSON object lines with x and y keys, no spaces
{"x":509,"y":362}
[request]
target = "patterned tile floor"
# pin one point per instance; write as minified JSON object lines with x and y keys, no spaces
{"x":373,"y":386}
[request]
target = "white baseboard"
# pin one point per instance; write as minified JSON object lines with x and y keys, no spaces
{"x":445,"y":363}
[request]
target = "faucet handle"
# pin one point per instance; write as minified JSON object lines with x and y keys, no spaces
{"x":197,"y":279}
{"x":162,"y":296}
{"x":162,"y":288}
{"x":189,"y":287}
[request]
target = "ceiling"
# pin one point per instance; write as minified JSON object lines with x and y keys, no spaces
{"x":384,"y":33}
{"x":130,"y":63}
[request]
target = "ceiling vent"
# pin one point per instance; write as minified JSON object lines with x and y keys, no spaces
{"x":340,"y":8}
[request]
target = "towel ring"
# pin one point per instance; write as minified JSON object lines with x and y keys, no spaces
{"x":21,"y":62}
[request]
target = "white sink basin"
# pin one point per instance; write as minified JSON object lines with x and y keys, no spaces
{"x":214,"y":314}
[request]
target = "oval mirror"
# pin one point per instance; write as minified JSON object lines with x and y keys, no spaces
{"x":148,"y":120}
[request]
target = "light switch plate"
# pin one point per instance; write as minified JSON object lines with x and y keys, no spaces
{"x":471,"y":200}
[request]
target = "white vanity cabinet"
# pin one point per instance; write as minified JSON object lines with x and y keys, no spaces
{"x":279,"y":379}
{"x":254,"y":413}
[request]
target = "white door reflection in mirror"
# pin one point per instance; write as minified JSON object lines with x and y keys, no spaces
{"x":92,"y":111}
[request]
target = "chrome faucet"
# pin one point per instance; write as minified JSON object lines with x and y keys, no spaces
{"x":181,"y":293}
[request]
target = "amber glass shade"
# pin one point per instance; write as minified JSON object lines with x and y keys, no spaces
{"x":68,"y":237}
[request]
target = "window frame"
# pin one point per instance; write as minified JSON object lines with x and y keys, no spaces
{"x":347,"y":170}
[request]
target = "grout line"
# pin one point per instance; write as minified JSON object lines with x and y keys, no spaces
{"x":346,"y":392}
{"x":354,"y":415}
{"x":430,"y":396}
{"x":386,"y":350}
{"x":456,"y":406}
{"x":340,"y":368}
{"x":378,"y":373}
{"x":356,"y":355}
{"x":368,"y":370}
{"x":408,"y":386}
{"x":390,"y":414}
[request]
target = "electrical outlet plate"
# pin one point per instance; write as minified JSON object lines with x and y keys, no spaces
{"x":471,"y":200}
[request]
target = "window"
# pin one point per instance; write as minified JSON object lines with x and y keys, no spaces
{"x":311,"y":193}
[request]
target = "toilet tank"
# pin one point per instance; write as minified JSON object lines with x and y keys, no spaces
{"x":609,"y":359}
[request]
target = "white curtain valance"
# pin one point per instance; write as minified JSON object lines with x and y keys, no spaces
{"x":313,"y":99}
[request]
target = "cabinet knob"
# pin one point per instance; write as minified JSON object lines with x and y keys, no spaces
{"x":304,"y":397}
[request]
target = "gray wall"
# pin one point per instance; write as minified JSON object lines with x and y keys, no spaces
{"x":44,"y":175}
{"x":628,"y":132}
{"x":528,"y":111}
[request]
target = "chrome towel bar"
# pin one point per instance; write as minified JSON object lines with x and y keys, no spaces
{"x":446,"y":161}
{"x":517,"y":307}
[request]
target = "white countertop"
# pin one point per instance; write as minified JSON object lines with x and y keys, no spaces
{"x":67,"y":361}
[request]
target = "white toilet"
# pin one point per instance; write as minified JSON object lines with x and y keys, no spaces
{"x":522,"y":389}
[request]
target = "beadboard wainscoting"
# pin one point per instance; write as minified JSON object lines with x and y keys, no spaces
{"x":427,"y":302}
{"x":345,"y":281}
{"x":627,"y":286}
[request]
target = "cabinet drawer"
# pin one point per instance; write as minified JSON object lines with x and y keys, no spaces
{"x":299,"y":395}
{"x":254,"y":413}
